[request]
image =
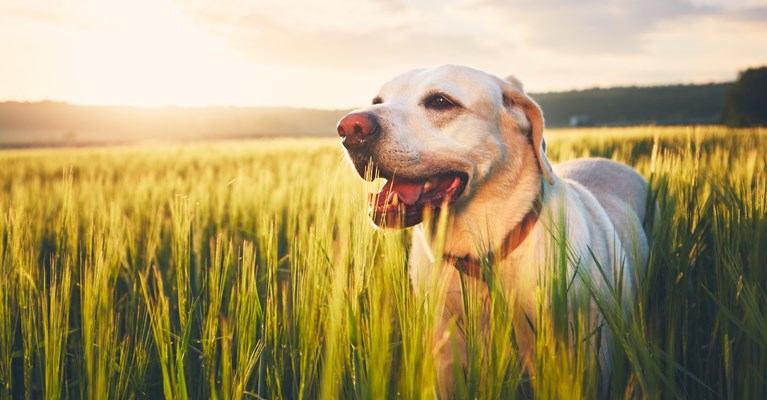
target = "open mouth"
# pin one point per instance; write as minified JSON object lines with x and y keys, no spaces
{"x":400,"y":202}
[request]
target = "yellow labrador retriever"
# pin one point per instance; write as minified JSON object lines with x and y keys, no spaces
{"x":461,"y":137}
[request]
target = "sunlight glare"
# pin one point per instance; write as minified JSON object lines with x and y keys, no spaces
{"x":149,"y":53}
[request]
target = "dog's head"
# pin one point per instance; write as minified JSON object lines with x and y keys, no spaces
{"x":436,"y":135}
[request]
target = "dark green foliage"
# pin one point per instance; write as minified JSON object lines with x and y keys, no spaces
{"x":745,"y":104}
{"x":660,"y":105}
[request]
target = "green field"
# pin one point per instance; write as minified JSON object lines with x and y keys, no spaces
{"x":250,"y":270}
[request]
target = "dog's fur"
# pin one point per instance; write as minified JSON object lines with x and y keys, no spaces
{"x":494,"y":135}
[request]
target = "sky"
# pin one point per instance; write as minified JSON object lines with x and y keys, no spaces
{"x":337,"y":53}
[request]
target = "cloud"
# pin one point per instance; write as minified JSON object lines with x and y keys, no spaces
{"x":753,"y":14}
{"x":376,"y":35}
{"x":351,"y":16}
{"x":588,"y":26}
{"x":56,"y":14}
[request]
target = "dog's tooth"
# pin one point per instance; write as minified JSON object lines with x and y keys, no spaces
{"x":427,"y":186}
{"x":395,"y":199}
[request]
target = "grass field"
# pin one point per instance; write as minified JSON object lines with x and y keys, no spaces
{"x":250,"y":270}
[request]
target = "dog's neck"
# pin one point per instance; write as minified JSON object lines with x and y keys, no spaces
{"x":495,"y":211}
{"x":474,"y":266}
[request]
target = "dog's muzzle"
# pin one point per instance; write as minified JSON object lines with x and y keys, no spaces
{"x":408,"y":192}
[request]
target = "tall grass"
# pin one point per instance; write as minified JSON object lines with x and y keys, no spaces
{"x":250,"y":270}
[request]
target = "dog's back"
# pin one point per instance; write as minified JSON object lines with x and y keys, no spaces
{"x":619,"y":189}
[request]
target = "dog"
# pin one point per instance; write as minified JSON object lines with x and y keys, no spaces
{"x":458,"y":139}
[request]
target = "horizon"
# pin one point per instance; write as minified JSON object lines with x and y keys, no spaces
{"x":278,"y":106}
{"x":170,"y":53}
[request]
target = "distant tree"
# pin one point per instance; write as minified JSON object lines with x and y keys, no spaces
{"x":746,"y":102}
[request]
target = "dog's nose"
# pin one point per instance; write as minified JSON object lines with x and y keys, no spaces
{"x":358,"y":129}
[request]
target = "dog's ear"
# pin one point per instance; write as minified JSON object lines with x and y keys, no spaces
{"x":514,"y":95}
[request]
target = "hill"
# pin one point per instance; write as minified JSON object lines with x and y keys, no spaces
{"x":660,"y":105}
{"x":56,"y":123}
{"x":61,"y":124}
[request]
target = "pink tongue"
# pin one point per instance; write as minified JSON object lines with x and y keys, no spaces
{"x":407,"y":191}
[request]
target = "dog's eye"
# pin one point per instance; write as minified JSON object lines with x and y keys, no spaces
{"x":439,"y":102}
{"x":377,"y":100}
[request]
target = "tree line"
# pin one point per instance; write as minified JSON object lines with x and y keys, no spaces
{"x":740,"y":103}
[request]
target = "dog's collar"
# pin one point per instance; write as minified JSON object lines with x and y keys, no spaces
{"x":473,"y":267}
